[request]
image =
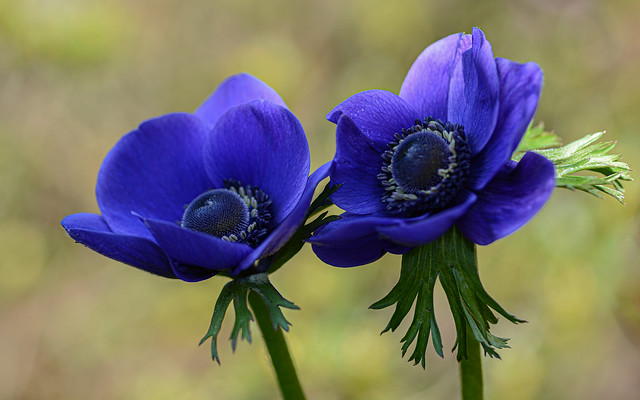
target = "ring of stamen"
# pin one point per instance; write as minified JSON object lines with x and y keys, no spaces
{"x":237,"y":213}
{"x":425,"y":167}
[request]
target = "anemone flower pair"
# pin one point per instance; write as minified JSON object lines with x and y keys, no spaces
{"x":189,"y":195}
{"x":436,"y":156}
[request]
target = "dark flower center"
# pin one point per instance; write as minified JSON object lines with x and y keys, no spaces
{"x":238,"y":213}
{"x":425,"y":167}
{"x":417,"y":159}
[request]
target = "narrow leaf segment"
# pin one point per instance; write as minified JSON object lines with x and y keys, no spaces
{"x":452,"y":260}
{"x":237,"y":291}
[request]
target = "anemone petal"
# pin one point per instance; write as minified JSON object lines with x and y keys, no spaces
{"x":192,"y":273}
{"x":235,"y":90}
{"x":426,"y":86}
{"x":261,"y":144}
{"x":353,"y":240}
{"x":357,"y":163}
{"x":155,"y":171}
{"x":195,"y":248}
{"x":283,"y":232}
{"x":510,"y":200}
{"x":92,"y":231}
{"x":520,"y":87}
{"x":474,"y":92}
{"x":421,"y":230}
{"x":377,"y":113}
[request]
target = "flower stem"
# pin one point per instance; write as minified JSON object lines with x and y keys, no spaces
{"x":277,"y":346}
{"x":471,"y":369}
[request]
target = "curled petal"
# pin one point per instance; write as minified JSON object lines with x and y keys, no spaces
{"x":520,"y":87}
{"x":357,"y":164}
{"x":378,"y":114}
{"x":155,"y":171}
{"x":424,"y":229}
{"x":260,"y":144}
{"x":233,"y":91}
{"x":92,"y":231}
{"x":510,"y":200}
{"x":192,"y":273}
{"x":283,"y":232}
{"x":474,"y":92}
{"x":426,"y":86}
{"x":195,"y":248}
{"x":354,"y":240}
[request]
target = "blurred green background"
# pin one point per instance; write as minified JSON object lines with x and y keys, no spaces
{"x":75,"y":75}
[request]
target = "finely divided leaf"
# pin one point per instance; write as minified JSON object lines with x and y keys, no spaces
{"x":536,"y":138}
{"x":452,"y":260}
{"x":237,"y":291}
{"x":584,"y":157}
{"x":418,"y":276}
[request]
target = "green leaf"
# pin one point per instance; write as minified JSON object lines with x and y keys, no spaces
{"x":418,"y":276}
{"x":584,"y":157}
{"x":464,"y":256}
{"x":452,"y":260}
{"x":536,"y":138}
{"x":273,"y":299}
{"x":243,"y":317}
{"x":220,"y":309}
{"x":237,"y":291}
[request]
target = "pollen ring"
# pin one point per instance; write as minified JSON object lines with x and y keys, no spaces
{"x":424,"y":167}
{"x":237,"y":213}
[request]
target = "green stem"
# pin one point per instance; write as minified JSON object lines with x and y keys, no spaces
{"x":471,"y":369}
{"x":277,"y":346}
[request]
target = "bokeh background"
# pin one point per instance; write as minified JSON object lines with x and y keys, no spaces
{"x":75,"y":75}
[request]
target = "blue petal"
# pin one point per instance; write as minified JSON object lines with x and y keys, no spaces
{"x":155,"y":171}
{"x":520,"y":87}
{"x":426,"y":86}
{"x":377,"y":113}
{"x":353,"y":240}
{"x":283,"y":232}
{"x":510,"y":200}
{"x":195,"y":248}
{"x":474,"y":91}
{"x":92,"y":231}
{"x":235,"y":90}
{"x":357,"y":164}
{"x":424,"y":229}
{"x":190,"y":273}
{"x":260,"y":144}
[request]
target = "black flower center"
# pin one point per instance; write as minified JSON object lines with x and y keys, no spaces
{"x":218,"y":212}
{"x":425,"y":167}
{"x":238,"y":213}
{"x":417,"y":159}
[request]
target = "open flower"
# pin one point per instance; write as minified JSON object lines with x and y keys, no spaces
{"x":438,"y":155}
{"x":187,"y":195}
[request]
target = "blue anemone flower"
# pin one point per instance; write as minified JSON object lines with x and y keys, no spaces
{"x":187,"y":195}
{"x":438,"y":155}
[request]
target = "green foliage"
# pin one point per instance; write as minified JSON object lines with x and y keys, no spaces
{"x":576,"y":162}
{"x":237,"y":291}
{"x":452,"y":259}
{"x":536,"y":138}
